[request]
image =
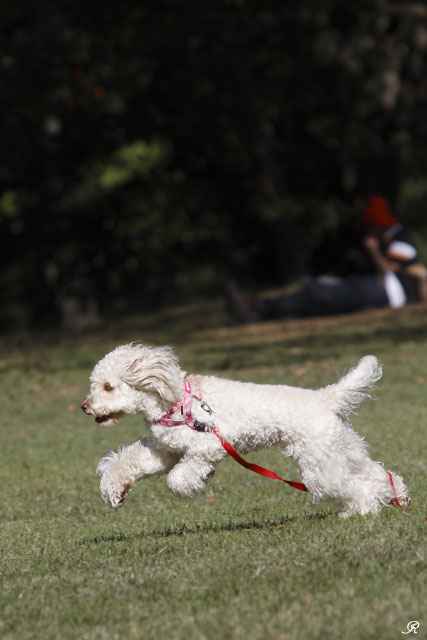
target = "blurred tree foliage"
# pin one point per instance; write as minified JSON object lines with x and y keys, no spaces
{"x":152,"y":148}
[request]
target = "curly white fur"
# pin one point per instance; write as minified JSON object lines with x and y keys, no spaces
{"x":312,"y":426}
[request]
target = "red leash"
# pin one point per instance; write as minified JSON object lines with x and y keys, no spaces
{"x":270,"y":474}
{"x":395,"y":498}
{"x":255,"y":467}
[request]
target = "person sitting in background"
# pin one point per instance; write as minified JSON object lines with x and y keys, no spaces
{"x":394,"y":277}
{"x":392,"y":252}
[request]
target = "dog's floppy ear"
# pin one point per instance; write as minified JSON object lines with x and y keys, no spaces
{"x":155,"y":369}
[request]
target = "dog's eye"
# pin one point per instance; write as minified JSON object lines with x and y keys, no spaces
{"x":108,"y":387}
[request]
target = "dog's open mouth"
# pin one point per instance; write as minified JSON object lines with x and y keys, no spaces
{"x":110,"y":419}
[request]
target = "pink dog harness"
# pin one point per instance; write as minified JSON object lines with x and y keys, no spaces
{"x":185,"y":405}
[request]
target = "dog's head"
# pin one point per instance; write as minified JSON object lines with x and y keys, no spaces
{"x":132,"y":379}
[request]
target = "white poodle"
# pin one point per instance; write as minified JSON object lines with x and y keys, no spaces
{"x":191,"y":418}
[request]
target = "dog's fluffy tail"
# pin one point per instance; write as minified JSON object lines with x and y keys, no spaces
{"x":349,"y":392}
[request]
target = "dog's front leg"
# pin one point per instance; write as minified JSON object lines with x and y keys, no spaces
{"x":119,"y":470}
{"x":190,"y":476}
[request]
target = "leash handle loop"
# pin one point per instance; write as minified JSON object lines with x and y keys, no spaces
{"x":395,"y":498}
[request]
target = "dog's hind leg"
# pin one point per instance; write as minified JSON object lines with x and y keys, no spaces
{"x":190,"y":476}
{"x":119,"y":470}
{"x":372,"y":485}
{"x":337,"y":467}
{"x":321,"y":457}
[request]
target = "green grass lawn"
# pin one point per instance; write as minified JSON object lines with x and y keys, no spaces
{"x":250,"y":558}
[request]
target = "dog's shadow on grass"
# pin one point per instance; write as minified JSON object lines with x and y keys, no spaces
{"x":247,"y":525}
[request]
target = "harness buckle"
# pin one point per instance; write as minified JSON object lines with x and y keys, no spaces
{"x":202,"y":427}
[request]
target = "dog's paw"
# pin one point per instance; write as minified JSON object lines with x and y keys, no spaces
{"x":116,"y":500}
{"x":115,"y":482}
{"x":115,"y":494}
